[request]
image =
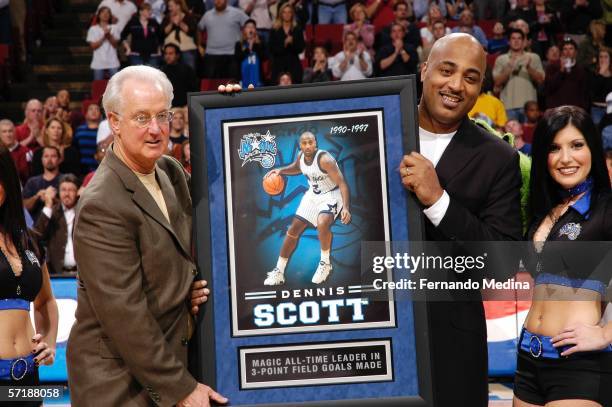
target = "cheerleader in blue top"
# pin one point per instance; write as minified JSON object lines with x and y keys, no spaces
{"x":23,"y":280}
{"x":565,"y":352}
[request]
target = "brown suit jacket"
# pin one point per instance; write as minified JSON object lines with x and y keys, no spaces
{"x":53,"y":233}
{"x":128,"y":346}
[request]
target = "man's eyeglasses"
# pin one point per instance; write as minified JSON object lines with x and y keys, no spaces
{"x":143,"y":120}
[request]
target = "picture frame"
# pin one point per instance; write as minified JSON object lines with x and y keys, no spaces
{"x":299,"y":342}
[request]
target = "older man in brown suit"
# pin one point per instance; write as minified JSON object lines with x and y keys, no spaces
{"x":132,"y":241}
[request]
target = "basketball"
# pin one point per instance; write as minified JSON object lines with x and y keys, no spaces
{"x":274,"y":184}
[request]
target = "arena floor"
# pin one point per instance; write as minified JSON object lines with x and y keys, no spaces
{"x":500,"y":395}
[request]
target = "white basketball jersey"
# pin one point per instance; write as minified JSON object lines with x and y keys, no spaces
{"x":319,"y":181}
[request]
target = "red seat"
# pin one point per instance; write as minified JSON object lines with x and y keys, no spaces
{"x":487,"y":27}
{"x":329,"y":34}
{"x":212,"y":84}
{"x":491,"y":59}
{"x":97,"y":89}
{"x":4,"y":53}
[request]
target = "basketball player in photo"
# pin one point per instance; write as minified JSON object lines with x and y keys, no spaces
{"x":327,"y":197}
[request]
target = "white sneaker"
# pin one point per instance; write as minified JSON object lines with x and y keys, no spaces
{"x":323,"y":271}
{"x":275,"y":277}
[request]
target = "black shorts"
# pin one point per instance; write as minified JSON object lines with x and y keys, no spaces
{"x":584,"y":376}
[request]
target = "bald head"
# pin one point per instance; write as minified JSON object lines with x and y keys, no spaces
{"x":33,"y":111}
{"x":464,"y":42}
{"x":452,"y":78}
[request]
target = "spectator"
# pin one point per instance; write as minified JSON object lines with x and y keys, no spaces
{"x":523,"y":11}
{"x":223,"y":26}
{"x":517,"y":73}
{"x":363,"y":30}
{"x":284,"y":79}
{"x":454,"y":8}
{"x":401,"y":13}
{"x":320,"y":71}
{"x":380,"y":13}
{"x":63,"y":98}
{"x":300,"y":8}
{"x":180,"y":28}
{"x":489,"y":9}
{"x":29,"y":133}
{"x":439,"y":30}
{"x":99,"y":156}
{"x":488,"y":107}
{"x":605,"y":125}
{"x":50,"y":108}
{"x":35,"y":188}
{"x":22,"y":156}
{"x":85,"y":138}
{"x":177,"y":128}
{"x":350,"y":64}
{"x":186,"y":156}
{"x":577,"y":15}
{"x":532,"y":117}
{"x":286,"y":44}
{"x":103,"y":38}
{"x":601,"y":85}
{"x":522,"y":25}
{"x":427,"y":36}
{"x":258,"y":11}
{"x":422,"y":9}
{"x":545,"y":28}
{"x":590,"y":46}
{"x":498,"y":42}
{"x":332,"y":12}
{"x":398,"y":58}
{"x":145,"y":36}
{"x":121,"y":10}
{"x":467,"y":25}
{"x":54,"y":227}
{"x":182,"y":76}
{"x":55,"y":135}
{"x":249,"y":54}
{"x":565,"y":83}
{"x":553,"y":56}
{"x":158,"y":9}
{"x":516,"y":129}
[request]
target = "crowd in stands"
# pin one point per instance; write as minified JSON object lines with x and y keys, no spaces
{"x":541,"y":54}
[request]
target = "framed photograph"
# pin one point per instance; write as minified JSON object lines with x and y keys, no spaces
{"x":288,"y":186}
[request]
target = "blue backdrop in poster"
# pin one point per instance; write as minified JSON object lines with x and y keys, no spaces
{"x":405,"y":381}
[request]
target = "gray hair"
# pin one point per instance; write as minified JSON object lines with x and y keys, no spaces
{"x":7,"y":122}
{"x":31,"y":102}
{"x":111,"y":100}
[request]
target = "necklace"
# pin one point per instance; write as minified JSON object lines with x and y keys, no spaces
{"x":17,"y":271}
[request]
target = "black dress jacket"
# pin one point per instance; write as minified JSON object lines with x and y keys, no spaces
{"x":481,"y":174}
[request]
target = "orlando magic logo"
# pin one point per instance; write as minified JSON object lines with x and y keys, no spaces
{"x":572,"y":230}
{"x":258,"y":147}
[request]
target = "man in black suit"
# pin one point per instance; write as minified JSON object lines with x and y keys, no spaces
{"x":54,"y":226}
{"x":468,"y":182}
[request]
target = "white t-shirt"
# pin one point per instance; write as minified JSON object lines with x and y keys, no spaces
{"x":105,"y":57}
{"x":123,"y":11}
{"x":260,"y":13}
{"x":353,"y":71}
{"x":432,"y":147}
